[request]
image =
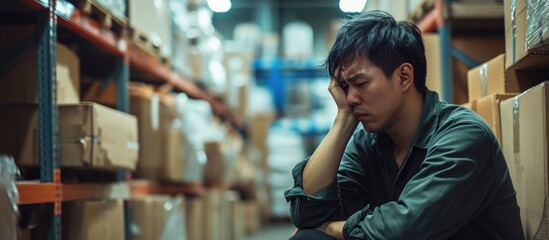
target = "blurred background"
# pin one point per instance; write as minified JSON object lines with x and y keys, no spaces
{"x":182,"y":119}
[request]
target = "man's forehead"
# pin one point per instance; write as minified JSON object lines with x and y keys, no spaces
{"x":350,"y":60}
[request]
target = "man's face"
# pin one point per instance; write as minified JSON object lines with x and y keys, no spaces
{"x":374,"y":98}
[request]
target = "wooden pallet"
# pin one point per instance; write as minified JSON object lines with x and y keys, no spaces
{"x":103,"y":16}
{"x":422,"y":10}
{"x":143,"y":41}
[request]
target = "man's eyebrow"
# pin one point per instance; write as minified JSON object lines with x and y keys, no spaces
{"x":356,"y":77}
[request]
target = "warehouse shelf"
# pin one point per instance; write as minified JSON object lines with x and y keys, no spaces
{"x":35,"y":192}
{"x":464,"y":16}
{"x":145,"y":187}
{"x":91,"y":191}
{"x":447,"y":17}
{"x":431,"y":21}
{"x":89,"y":29}
{"x":148,"y":68}
{"x":95,"y":42}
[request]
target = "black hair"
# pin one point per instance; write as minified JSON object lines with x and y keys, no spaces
{"x":387,"y":43}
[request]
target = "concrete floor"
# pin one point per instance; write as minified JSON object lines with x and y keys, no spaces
{"x":273,"y":231}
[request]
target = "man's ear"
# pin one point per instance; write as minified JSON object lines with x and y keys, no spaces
{"x":406,"y":75}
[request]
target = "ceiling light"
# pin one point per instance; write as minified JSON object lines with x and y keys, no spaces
{"x":220,"y":6}
{"x":352,"y":6}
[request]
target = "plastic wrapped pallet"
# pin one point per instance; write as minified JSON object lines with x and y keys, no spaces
{"x":537,"y":26}
{"x":197,"y":126}
{"x":9,"y":198}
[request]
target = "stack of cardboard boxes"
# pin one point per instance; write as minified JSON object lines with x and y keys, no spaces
{"x":487,"y":87}
{"x":90,"y":135}
{"x":520,"y":121}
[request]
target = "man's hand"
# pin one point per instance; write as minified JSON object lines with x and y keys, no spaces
{"x":338,"y":89}
{"x":333,"y":229}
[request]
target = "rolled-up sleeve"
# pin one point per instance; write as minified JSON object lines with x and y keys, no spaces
{"x":337,"y":201}
{"x":454,"y":182}
{"x":310,"y":211}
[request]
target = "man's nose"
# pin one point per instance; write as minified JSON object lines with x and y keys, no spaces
{"x":353,"y":97}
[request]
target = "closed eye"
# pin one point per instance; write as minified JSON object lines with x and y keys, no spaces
{"x":360,"y":84}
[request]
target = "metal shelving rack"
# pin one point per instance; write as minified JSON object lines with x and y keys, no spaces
{"x":441,"y":18}
{"x":50,"y":192}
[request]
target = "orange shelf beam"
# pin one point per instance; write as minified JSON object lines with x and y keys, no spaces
{"x":92,"y":31}
{"x":34,"y":193}
{"x":86,"y":27}
{"x":144,"y":188}
{"x":91,"y":191}
{"x":432,"y":20}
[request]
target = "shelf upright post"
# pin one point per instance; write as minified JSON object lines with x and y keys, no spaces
{"x":48,"y":131}
{"x":122,"y":75}
{"x":446,"y":50}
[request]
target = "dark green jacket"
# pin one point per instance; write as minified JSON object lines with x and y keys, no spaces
{"x":453,"y":184}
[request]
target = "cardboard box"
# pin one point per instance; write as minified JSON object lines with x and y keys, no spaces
{"x":160,"y":155}
{"x":252,"y":219}
{"x":432,"y":55}
{"x":19,"y":83}
{"x":235,"y":216}
{"x":157,"y":216}
{"x":479,"y":46}
{"x":511,"y":10}
{"x":111,"y":135}
{"x":92,"y":220}
{"x":515,"y":39}
{"x":525,"y":138}
{"x":214,"y":170}
{"x":538,"y":22}
{"x":490,"y":78}
{"x":214,"y":212}
{"x":90,"y":135}
{"x":152,"y":17}
{"x":259,"y":131}
{"x":468,"y":105}
{"x":195,"y":218}
{"x":488,"y":108}
{"x":92,"y":90}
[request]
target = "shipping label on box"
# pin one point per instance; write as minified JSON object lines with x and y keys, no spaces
{"x":525,"y":146}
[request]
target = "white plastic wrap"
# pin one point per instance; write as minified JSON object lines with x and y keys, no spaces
{"x":174,"y":229}
{"x":9,"y":198}
{"x":159,"y":217}
{"x":537,"y":25}
{"x":196,"y":125}
{"x":180,"y":41}
{"x":286,"y":149}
